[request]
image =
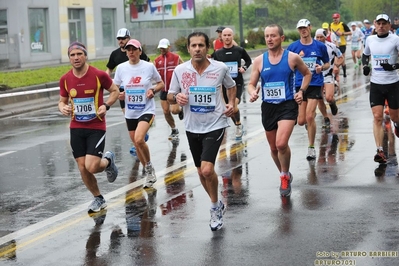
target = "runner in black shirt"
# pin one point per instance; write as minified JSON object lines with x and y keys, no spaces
{"x":231,"y":55}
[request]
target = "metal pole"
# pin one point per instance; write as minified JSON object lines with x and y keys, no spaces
{"x":163,"y":15}
{"x":242,"y":43}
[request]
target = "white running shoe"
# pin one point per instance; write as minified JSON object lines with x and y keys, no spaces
{"x":311,"y":154}
{"x":150,"y":177}
{"x":239,"y":131}
{"x":216,"y":222}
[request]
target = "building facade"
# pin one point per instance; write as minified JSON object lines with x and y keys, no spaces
{"x":38,"y":32}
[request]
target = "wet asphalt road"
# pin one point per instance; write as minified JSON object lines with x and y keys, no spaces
{"x":342,"y":202}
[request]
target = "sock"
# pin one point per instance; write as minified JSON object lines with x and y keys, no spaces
{"x":284,"y":173}
{"x":149,"y":164}
{"x":311,"y":146}
{"x":100,"y":196}
{"x":237,"y":117}
{"x":380,"y":149}
{"x":109,"y":162}
{"x":214,"y":205}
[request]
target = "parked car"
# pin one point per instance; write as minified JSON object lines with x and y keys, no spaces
{"x":357,"y":23}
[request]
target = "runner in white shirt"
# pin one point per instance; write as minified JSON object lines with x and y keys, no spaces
{"x":356,"y":44}
{"x":197,"y":86}
{"x":381,"y":51}
{"x":137,"y":76}
{"x":336,"y":60}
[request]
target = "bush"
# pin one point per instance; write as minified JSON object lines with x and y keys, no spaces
{"x":255,"y":38}
{"x":293,"y":35}
{"x":181,"y":45}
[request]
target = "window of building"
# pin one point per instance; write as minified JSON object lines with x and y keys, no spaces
{"x":3,"y":22}
{"x":76,"y":22}
{"x":108,"y":21}
{"x":38,"y":30}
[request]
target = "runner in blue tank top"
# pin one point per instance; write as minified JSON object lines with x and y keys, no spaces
{"x":276,"y":68}
{"x":315,"y":56}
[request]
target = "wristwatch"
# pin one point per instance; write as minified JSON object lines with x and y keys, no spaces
{"x":106,"y":106}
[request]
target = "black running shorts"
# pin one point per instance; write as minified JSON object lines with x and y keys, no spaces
{"x":273,"y":113}
{"x":87,"y":141}
{"x":205,"y":147}
{"x":132,"y":123}
{"x":380,"y":92}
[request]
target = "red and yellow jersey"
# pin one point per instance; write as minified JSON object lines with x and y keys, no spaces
{"x":85,"y":96}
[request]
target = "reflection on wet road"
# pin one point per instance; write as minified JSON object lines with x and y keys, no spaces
{"x":342,"y":201}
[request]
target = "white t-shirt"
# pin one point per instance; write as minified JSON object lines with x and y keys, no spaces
{"x":382,"y":50}
{"x":137,"y":80}
{"x":357,"y":37}
{"x":204,"y":111}
{"x":332,"y":51}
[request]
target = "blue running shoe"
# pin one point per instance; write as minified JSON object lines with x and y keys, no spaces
{"x":133,"y":151}
{"x":111,"y":170}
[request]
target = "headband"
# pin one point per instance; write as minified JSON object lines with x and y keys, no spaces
{"x":77,"y":45}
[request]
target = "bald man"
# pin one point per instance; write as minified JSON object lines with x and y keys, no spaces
{"x":231,"y":55}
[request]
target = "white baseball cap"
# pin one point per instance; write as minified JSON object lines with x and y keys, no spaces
{"x":384,"y":17}
{"x":303,"y":23}
{"x":123,"y":33}
{"x":321,"y":32}
{"x":164,"y":43}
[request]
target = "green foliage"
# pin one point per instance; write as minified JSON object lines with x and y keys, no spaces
{"x":255,"y":38}
{"x":181,"y":45}
{"x":23,"y":78}
{"x":291,"y":35}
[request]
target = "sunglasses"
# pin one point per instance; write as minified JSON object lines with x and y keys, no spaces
{"x":121,"y":38}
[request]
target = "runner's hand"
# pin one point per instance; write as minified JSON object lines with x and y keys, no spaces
{"x":389,"y":67}
{"x":229,"y":110}
{"x":366,"y":70}
{"x":254,"y":95}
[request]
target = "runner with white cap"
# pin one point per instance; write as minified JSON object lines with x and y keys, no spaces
{"x":166,"y":63}
{"x":381,"y":52}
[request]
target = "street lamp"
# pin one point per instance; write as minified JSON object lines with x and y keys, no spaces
{"x":240,"y":24}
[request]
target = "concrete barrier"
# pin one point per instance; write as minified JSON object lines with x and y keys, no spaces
{"x":28,"y":99}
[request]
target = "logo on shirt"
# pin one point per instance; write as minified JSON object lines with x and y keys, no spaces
{"x":266,"y":69}
{"x":134,"y":80}
{"x":313,"y":53}
{"x":73,"y":93}
{"x":188,"y":79}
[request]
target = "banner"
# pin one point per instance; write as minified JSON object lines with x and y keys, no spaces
{"x":155,"y":10}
